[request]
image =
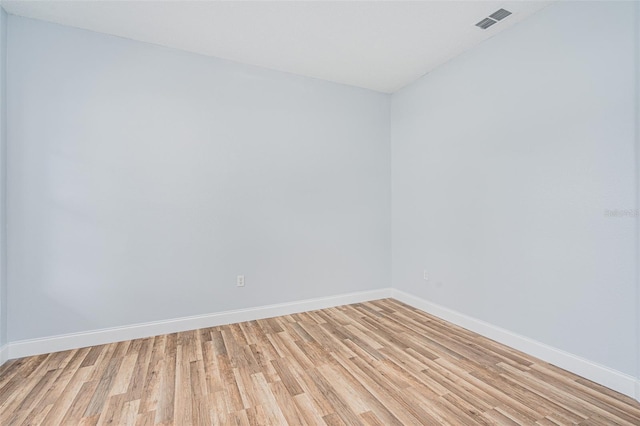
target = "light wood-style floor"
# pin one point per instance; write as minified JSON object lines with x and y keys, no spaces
{"x":378,"y":363}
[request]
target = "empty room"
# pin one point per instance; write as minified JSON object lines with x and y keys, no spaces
{"x":319,"y":212}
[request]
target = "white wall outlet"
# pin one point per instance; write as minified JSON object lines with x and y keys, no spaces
{"x":425,"y":275}
{"x":240,"y":280}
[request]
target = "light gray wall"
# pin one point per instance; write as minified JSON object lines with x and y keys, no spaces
{"x":3,"y":163}
{"x":504,"y":162}
{"x":143,"y":180}
{"x":637,"y":57}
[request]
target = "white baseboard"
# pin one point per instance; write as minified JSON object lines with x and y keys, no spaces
{"x":64,"y":342}
{"x":605,"y":376}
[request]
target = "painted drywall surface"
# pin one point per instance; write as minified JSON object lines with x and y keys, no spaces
{"x":3,"y":162}
{"x":637,"y":67}
{"x":505,"y":165}
{"x":143,"y":180}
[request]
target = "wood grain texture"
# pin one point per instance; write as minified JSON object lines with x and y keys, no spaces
{"x":374,"y":363}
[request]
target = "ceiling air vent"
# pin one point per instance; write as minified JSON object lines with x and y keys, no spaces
{"x":496,"y":16}
{"x":500,"y":14}
{"x":485,"y":23}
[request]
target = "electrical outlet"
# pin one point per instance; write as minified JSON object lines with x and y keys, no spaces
{"x":425,"y":275}
{"x":240,"y":281}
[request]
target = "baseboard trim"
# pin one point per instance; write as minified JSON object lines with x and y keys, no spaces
{"x":64,"y":342}
{"x":605,"y":376}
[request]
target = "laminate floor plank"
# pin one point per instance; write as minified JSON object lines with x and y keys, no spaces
{"x":375,"y":363}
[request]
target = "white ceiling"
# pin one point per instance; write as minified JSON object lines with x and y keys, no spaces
{"x":371,"y":44}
